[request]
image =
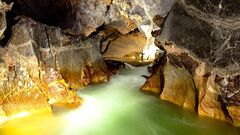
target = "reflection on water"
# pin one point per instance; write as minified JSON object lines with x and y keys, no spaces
{"x":119,"y":108}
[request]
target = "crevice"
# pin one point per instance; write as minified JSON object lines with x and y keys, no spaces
{"x":224,"y":109}
{"x":11,"y":21}
{"x":159,"y":63}
{"x":111,"y":38}
{"x":196,"y":96}
{"x":47,"y":11}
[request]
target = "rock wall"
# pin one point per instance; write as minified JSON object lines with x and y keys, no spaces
{"x":3,"y":9}
{"x":202,"y":40}
{"x":26,"y":83}
{"x":84,"y":17}
{"x":63,"y":41}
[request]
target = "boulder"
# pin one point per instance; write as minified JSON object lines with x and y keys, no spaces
{"x":153,"y":84}
{"x":209,"y":103}
{"x":178,"y":87}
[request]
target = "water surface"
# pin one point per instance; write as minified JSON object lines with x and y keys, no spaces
{"x":119,"y":108}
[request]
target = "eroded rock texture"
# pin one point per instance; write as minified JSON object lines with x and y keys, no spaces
{"x":25,"y":86}
{"x":84,"y":17}
{"x":78,"y":61}
{"x":60,"y":47}
{"x":3,"y":22}
{"x":202,"y":38}
{"x":39,"y":59}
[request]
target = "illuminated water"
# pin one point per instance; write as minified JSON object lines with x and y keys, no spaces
{"x":119,"y":108}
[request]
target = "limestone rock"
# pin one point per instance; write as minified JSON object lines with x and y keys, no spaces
{"x":88,"y":16}
{"x":153,"y":84}
{"x":125,"y":45}
{"x":212,"y":34}
{"x":82,"y":66}
{"x":178,"y":87}
{"x":68,"y":55}
{"x":26,"y":84}
{"x":21,"y":94}
{"x":234,"y":112}
{"x":209,"y":104}
{"x":56,"y":89}
{"x":21,"y":49}
{"x":204,"y":41}
{"x":80,"y":17}
{"x":3,"y":22}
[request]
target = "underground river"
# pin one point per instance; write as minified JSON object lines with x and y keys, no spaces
{"x":119,"y":108}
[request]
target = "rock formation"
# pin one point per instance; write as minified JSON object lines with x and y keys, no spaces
{"x":83,"y":17}
{"x":49,"y":47}
{"x":201,"y":39}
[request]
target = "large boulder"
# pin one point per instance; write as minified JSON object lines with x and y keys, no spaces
{"x":178,"y":87}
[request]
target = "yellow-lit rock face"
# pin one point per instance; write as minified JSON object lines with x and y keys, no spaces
{"x":178,"y":87}
{"x":234,"y":112}
{"x":126,"y":45}
{"x":108,"y":2}
{"x":56,"y":89}
{"x":21,"y":94}
{"x":188,"y":79}
{"x":153,"y":84}
{"x":30,"y":100}
{"x":209,"y":104}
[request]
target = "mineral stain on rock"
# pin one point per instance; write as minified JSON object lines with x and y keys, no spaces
{"x":202,"y":37}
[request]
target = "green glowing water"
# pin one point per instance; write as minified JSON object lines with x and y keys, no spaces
{"x":119,"y":108}
{"x":124,"y":110}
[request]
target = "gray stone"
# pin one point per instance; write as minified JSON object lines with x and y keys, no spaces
{"x":212,"y":33}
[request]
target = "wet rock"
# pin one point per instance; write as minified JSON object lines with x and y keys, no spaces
{"x":21,"y":94}
{"x":208,"y":93}
{"x":234,"y":112}
{"x":178,"y":87}
{"x":209,"y":104}
{"x":27,"y":86}
{"x":68,"y":55}
{"x":80,"y":72}
{"x":204,"y":41}
{"x":56,"y":89}
{"x":153,"y":84}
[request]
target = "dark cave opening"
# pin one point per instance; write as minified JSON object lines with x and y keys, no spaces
{"x":60,"y":13}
